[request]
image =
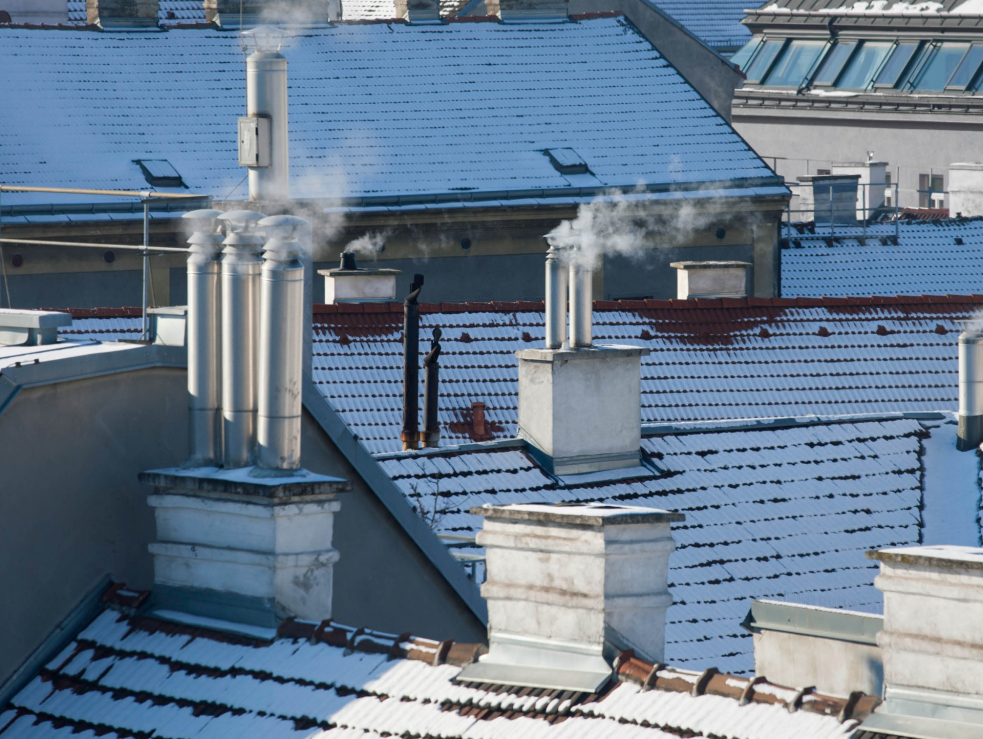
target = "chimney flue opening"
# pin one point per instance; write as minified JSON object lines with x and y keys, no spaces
{"x":348,"y":261}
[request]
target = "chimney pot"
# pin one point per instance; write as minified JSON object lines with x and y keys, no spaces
{"x":970,"y":432}
{"x":347,"y":261}
{"x":607,"y":568}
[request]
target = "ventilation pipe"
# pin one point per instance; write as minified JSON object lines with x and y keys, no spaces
{"x":431,"y":380}
{"x":581,"y":305}
{"x":411,"y":365}
{"x":241,"y":267}
{"x":204,"y":340}
{"x":263,"y":133}
{"x":281,"y":345}
{"x":970,"y":433}
{"x":557,"y":275}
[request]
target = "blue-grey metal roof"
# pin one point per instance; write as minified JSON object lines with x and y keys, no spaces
{"x":715,"y":22}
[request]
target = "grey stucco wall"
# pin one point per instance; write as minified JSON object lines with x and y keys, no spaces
{"x":71,"y":510}
{"x":911,"y":147}
{"x":75,"y":289}
{"x":652,"y":277}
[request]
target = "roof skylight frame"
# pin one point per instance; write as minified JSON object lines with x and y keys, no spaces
{"x":160,"y":173}
{"x":974,"y":74}
{"x":919,"y":45}
{"x":782,"y":43}
{"x":854,"y":58}
{"x":915,"y":81}
{"x":854,"y":45}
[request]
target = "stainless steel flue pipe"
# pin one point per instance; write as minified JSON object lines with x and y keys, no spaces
{"x":266,"y":97}
{"x":970,"y":431}
{"x":556,"y":299}
{"x":241,"y":266}
{"x":204,"y":344}
{"x":281,"y":345}
{"x":581,"y":306}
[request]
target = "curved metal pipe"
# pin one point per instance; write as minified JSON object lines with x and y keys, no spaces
{"x":556,"y":299}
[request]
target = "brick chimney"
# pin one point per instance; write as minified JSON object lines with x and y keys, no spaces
{"x":110,"y":14}
{"x":569,"y":588}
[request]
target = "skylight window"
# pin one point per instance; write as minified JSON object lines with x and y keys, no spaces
{"x":965,"y":73}
{"x":567,"y":161}
{"x":795,"y":63}
{"x":761,"y":63}
{"x":864,"y":65}
{"x":896,"y":64}
{"x":941,"y":66}
{"x":740,"y":59}
{"x":835,"y":60}
{"x":160,"y":173}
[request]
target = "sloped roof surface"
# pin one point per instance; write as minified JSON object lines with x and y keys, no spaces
{"x":710,"y":360}
{"x":136,"y":677}
{"x":935,"y":257}
{"x":715,"y":22}
{"x":375,"y":110}
{"x":780,"y":514}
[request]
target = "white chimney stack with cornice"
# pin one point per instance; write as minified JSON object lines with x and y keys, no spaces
{"x":711,"y":279}
{"x":966,"y":189}
{"x":349,"y":283}
{"x":579,"y":402}
{"x":829,"y":198}
{"x":569,"y":588}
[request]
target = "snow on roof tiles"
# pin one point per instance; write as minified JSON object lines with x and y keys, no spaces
{"x":717,"y":23}
{"x":781,"y":514}
{"x":170,"y":11}
{"x":710,"y":360}
{"x":935,"y":257}
{"x":133,"y":676}
{"x":376,"y":109}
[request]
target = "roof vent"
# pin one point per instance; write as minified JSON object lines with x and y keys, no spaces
{"x":567,"y":161}
{"x":31,"y":327}
{"x":607,"y":567}
{"x":160,"y":173}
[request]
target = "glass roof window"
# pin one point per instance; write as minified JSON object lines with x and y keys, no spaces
{"x":896,"y":64}
{"x":864,"y":65}
{"x":834,"y":62}
{"x":761,"y":63}
{"x":965,"y":73}
{"x":795,"y":63}
{"x":940,"y":67}
{"x":740,"y":59}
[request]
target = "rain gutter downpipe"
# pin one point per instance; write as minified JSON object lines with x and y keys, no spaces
{"x":411,"y":365}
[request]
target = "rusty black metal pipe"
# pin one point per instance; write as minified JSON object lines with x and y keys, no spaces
{"x":411,"y":366}
{"x":430,"y":437}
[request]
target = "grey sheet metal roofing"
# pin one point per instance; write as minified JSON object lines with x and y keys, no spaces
{"x":385,"y":110}
{"x":129,"y":675}
{"x":928,"y":256}
{"x":717,"y":23}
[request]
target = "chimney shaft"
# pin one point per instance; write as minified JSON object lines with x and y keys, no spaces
{"x":241,"y":267}
{"x":970,"y":433}
{"x":607,"y":571}
{"x":411,"y":365}
{"x":581,"y":307}
{"x":130,"y":14}
{"x":281,"y":350}
{"x":557,"y":278}
{"x":431,"y":393}
{"x":711,"y":279}
{"x":266,"y":97}
{"x":204,"y":340}
{"x":829,"y":198}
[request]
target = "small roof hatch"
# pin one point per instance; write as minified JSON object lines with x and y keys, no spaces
{"x":567,"y":161}
{"x":160,"y":173}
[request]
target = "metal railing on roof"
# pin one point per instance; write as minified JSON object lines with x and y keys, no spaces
{"x":190,"y":200}
{"x":473,"y":563}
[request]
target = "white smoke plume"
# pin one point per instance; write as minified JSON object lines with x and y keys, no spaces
{"x":369,"y":244}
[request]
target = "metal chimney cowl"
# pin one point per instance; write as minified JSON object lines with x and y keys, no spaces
{"x":607,"y":567}
{"x":970,"y":433}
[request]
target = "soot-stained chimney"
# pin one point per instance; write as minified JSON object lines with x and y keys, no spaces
{"x":411,"y":365}
{"x":431,"y":380}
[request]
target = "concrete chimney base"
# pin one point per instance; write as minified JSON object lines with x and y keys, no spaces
{"x":253,"y":550}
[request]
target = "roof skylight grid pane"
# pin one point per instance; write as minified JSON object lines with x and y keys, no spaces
{"x":966,"y":71}
{"x":940,"y":67}
{"x":833,"y":65}
{"x":741,"y":58}
{"x":762,"y":62}
{"x":896,"y":64}
{"x":864,"y":65}
{"x":795,"y":63}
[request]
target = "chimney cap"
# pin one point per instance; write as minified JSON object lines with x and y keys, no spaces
{"x":205,"y":214}
{"x":589,"y":514}
{"x":709,"y":265}
{"x":241,"y":218}
{"x":941,"y":556}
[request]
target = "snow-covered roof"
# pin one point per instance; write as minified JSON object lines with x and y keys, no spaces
{"x":710,"y":359}
{"x":462,"y":110}
{"x":138,"y":676}
{"x":169,"y":12}
{"x":770,"y":513}
{"x":936,"y":257}
{"x":876,"y":7}
{"x":717,"y":23}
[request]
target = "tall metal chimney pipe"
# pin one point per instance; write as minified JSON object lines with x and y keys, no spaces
{"x":241,"y":266}
{"x":266,"y":97}
{"x":581,"y":295}
{"x":281,"y":345}
{"x":431,"y":392}
{"x":557,"y":275}
{"x":411,"y":366}
{"x":970,"y":432}
{"x":204,"y":340}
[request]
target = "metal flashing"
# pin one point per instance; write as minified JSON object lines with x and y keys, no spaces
{"x":754,"y":424}
{"x":880,"y":725}
{"x":548,"y":678}
{"x":225,"y":611}
{"x":822,"y":623}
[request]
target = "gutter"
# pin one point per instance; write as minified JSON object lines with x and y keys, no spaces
{"x":393,"y":499}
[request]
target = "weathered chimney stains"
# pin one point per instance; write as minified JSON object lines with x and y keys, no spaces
{"x":411,"y":365}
